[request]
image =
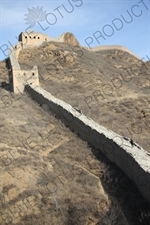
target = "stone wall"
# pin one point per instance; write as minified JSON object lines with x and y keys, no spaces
{"x":112,"y":47}
{"x":131,"y":158}
{"x":32,"y":39}
{"x":19,"y":78}
{"x":13,"y":59}
{"x":23,"y":77}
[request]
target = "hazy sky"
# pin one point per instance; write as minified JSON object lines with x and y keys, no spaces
{"x":98,"y":22}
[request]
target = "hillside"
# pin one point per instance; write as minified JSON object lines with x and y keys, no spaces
{"x":48,"y":174}
{"x":111,"y":87}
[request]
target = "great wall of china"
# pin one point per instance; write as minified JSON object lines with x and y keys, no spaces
{"x":131,"y":158}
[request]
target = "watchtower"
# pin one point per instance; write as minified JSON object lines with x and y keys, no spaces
{"x":31,"y":39}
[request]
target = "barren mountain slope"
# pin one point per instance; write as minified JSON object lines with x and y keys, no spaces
{"x":50,"y":176}
{"x":111,"y":87}
{"x":45,"y":174}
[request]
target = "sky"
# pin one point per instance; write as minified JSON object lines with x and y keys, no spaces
{"x":94,"y":23}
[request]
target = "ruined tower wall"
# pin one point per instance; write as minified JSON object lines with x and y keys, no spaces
{"x":33,"y":39}
{"x":21,"y":77}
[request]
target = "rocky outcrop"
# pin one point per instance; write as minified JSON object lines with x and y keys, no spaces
{"x":69,"y":38}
